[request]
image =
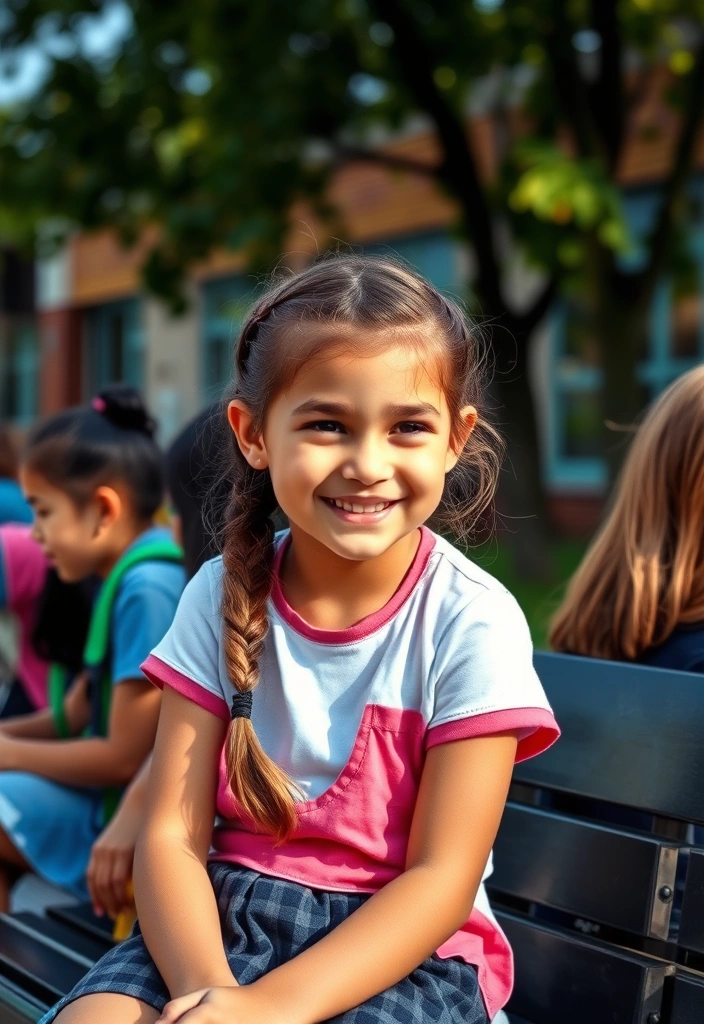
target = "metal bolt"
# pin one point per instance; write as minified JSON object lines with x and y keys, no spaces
{"x":653,"y":1018}
{"x":665,"y":894}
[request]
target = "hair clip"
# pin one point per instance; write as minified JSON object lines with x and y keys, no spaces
{"x":98,"y":404}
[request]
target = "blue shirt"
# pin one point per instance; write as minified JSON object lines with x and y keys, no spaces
{"x":683,"y":650}
{"x":13,"y":507}
{"x":144,"y":608}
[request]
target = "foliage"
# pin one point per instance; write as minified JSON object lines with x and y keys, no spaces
{"x":211,"y":120}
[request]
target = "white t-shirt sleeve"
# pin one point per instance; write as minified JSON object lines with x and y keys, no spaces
{"x":188,"y":658}
{"x":483,"y":681}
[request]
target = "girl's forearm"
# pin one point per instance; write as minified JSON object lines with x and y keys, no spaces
{"x":377,"y":946}
{"x":38,"y":725}
{"x":92,"y":761}
{"x":178,"y":914}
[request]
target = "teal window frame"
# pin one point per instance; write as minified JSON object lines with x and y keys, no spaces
{"x":20,"y":371}
{"x":660,"y":368}
{"x":434,"y":254}
{"x":108,"y":364}
{"x":225,"y":301}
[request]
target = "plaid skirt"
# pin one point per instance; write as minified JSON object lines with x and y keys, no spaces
{"x":266,"y":922}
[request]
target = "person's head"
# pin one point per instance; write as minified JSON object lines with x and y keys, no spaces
{"x":94,"y":477}
{"x":357,"y":410}
{"x":644,"y":572}
{"x":8,"y":454}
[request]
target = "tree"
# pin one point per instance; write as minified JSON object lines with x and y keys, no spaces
{"x":213,"y":120}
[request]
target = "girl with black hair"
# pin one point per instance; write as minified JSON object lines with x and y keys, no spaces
{"x":93,"y":477}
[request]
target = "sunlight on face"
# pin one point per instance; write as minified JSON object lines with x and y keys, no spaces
{"x":358,"y":449}
{"x":64,"y":531}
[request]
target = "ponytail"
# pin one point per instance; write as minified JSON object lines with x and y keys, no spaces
{"x":262,"y":788}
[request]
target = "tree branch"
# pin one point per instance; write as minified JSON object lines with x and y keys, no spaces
{"x":458,"y":169}
{"x":684,"y":155}
{"x":608,"y":92}
{"x":358,"y":154}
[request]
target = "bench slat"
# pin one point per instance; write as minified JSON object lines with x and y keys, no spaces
{"x":41,"y":972}
{"x":632,"y":735}
{"x":82,"y":919}
{"x":16,"y":1007}
{"x":596,"y":872}
{"x":560,"y":977}
{"x":85,"y":945}
{"x":691,"y":934}
{"x":688,"y":999}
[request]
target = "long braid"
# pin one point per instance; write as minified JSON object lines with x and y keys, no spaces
{"x":262,"y":788}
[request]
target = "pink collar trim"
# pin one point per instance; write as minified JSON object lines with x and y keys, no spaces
{"x":365,"y":627}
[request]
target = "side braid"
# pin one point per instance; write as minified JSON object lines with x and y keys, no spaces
{"x":263,"y":790}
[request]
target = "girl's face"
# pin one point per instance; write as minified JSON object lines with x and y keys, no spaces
{"x":357,"y":448}
{"x":71,"y":537}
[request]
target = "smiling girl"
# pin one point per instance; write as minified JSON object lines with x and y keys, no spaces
{"x":94,"y":480}
{"x":347,"y":696}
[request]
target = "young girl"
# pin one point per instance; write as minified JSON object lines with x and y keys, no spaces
{"x":94,"y":479}
{"x":639,"y":592}
{"x":348,"y":696}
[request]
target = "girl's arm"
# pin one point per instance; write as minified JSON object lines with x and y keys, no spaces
{"x":110,"y":866}
{"x":40,"y":725}
{"x":174,"y":896}
{"x":96,"y":761}
{"x":460,"y":802}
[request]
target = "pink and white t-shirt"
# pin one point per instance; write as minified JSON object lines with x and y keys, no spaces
{"x":350,"y":713}
{"x":25,"y":570}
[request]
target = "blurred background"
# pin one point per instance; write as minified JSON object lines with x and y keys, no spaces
{"x":543,"y":161}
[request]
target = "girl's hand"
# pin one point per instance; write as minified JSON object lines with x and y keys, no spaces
{"x":231,"y":1005}
{"x":111,"y":859}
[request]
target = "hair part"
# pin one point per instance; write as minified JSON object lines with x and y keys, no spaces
{"x":88,"y":447}
{"x":644,"y":572}
{"x":332,"y":300}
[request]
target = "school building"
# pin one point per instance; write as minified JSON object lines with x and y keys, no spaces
{"x":83,"y":321}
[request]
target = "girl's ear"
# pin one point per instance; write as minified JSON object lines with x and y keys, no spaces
{"x":460,"y":435}
{"x":251,"y":443}
{"x":108,"y":504}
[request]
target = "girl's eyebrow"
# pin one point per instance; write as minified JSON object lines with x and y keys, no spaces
{"x":314,"y":405}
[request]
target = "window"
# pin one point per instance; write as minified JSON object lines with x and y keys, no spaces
{"x":115,"y":345}
{"x":434,"y":254}
{"x":675,"y":344}
{"x":226,"y":302}
{"x":20,"y":372}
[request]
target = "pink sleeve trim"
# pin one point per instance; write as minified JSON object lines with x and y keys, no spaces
{"x":537,"y":729}
{"x":161,"y":674}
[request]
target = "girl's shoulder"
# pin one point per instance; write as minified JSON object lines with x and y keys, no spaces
{"x":463,"y":586}
{"x":23,"y":562}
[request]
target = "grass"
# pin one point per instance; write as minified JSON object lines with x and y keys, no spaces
{"x":538,"y":599}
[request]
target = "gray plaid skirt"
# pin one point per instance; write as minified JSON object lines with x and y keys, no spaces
{"x":266,"y":922}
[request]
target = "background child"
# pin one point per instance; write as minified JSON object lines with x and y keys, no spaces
{"x":93,"y":477}
{"x":639,"y":592}
{"x":52,"y":618}
{"x":360,"y":786}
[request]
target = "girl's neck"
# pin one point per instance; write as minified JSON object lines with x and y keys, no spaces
{"x":127,"y":537}
{"x":330,"y":592}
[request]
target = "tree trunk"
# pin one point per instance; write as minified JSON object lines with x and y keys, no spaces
{"x":523,"y":519}
{"x":622,"y":327}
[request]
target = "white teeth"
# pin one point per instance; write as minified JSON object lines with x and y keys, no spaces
{"x":354,"y":507}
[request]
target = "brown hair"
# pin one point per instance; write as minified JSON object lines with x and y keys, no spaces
{"x":644,"y":572}
{"x":8,"y":453}
{"x":288,"y":327}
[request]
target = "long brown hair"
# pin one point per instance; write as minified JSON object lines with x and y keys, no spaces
{"x":317,"y":310}
{"x":644,"y":572}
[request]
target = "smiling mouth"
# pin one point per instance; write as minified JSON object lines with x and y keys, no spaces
{"x":359,"y":507}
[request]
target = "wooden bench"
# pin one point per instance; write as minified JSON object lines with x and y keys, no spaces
{"x":586,"y":864}
{"x":595,"y":836}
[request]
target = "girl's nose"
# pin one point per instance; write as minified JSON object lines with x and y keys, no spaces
{"x":368,"y":463}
